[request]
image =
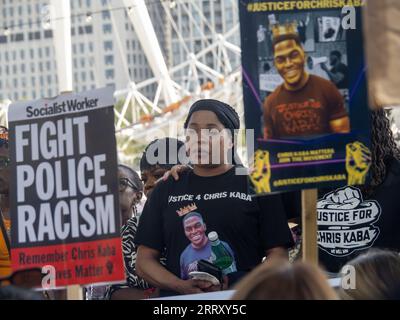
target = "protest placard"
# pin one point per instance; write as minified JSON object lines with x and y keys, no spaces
{"x":64,"y":194}
{"x":305,"y":93}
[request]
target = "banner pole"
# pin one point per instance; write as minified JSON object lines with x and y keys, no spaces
{"x":63,"y":47}
{"x":74,"y":292}
{"x":309,"y":225}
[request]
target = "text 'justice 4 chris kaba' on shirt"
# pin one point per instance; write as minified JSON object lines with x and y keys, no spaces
{"x":180,"y":221}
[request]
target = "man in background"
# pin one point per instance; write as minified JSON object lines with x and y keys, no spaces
{"x":338,"y":73}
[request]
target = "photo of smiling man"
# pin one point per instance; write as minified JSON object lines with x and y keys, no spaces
{"x":304,"y":105}
{"x":199,"y":247}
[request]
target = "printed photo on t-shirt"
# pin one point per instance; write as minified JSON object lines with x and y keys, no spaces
{"x":199,"y":247}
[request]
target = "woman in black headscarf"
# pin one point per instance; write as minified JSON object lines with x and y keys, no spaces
{"x":217,"y":197}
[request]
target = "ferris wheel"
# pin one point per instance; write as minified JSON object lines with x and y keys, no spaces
{"x":140,"y":118}
{"x":3,"y":112}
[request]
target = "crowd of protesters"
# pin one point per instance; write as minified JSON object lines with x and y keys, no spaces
{"x":186,"y":200}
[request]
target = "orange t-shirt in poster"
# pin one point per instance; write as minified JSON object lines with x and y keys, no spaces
{"x":305,"y":112}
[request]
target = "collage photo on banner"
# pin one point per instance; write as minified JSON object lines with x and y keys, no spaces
{"x":305,"y":93}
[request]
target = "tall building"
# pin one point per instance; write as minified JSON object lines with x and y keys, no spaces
{"x":197,"y":22}
{"x":105,"y":48}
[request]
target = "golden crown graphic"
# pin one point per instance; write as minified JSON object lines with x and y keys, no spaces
{"x":279,"y":30}
{"x":187,"y":209}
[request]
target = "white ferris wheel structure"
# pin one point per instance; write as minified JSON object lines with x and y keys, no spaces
{"x":141,"y":118}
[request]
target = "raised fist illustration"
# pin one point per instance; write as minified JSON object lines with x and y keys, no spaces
{"x":358,"y":162}
{"x":261,"y":173}
{"x":346,"y":199}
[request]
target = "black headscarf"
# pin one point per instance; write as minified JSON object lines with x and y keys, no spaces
{"x":225,"y":113}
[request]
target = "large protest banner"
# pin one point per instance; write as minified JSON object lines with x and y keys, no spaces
{"x":64,"y":195}
{"x":305,"y":93}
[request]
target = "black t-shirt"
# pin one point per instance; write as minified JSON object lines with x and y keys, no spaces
{"x":349,"y":224}
{"x":180,"y":214}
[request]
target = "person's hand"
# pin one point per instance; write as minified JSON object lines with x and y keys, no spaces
{"x":213,"y":288}
{"x":324,"y":67}
{"x":193,"y":286}
{"x":175,"y":171}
